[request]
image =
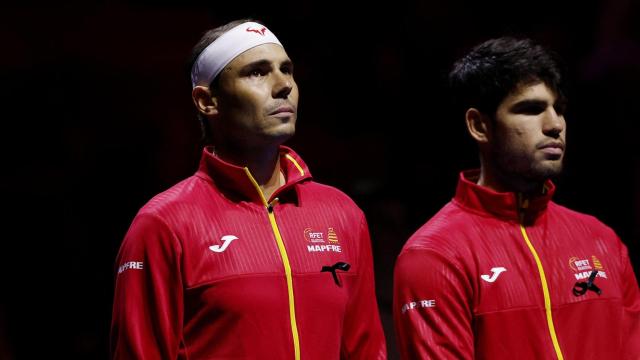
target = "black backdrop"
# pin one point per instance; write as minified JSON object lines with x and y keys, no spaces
{"x":97,"y":118}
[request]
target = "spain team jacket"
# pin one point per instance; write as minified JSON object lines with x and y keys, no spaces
{"x":495,"y":276}
{"x":210,"y":269}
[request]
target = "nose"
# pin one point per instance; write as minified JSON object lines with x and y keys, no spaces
{"x":553,"y":123}
{"x":283,"y":84}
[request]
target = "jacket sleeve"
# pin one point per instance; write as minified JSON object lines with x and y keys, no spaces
{"x":363,"y":336}
{"x":148,"y":302}
{"x":431,"y":307}
{"x":631,"y":306}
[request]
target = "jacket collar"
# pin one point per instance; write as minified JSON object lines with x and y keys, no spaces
{"x":236,"y":183}
{"x":504,"y":205}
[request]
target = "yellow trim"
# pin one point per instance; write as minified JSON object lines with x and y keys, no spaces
{"x":545,"y":292}
{"x":255,"y":184}
{"x":287,"y":272}
{"x":295,"y":163}
{"x":285,"y":262}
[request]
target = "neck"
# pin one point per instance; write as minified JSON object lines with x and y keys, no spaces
{"x":263,"y":164}
{"x":500,"y":181}
{"x":271,"y":179}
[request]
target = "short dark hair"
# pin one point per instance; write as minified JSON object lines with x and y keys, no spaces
{"x":207,"y":38}
{"x":493,"y":69}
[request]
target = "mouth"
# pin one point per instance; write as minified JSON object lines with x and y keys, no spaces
{"x":283,"y":111}
{"x":554,"y":149}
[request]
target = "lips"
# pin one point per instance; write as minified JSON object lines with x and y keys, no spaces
{"x":553,"y":148}
{"x":553,"y":145}
{"x":284,"y":110}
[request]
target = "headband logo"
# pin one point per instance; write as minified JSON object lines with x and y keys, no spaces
{"x":257,"y":31}
{"x":227,"y":47}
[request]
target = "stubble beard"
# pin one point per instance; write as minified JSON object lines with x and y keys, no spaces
{"x":523,"y":174}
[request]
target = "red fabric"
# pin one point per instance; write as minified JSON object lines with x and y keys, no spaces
{"x":443,"y":309}
{"x":177,"y":299}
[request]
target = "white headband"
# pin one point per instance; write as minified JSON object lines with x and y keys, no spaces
{"x":226,"y":48}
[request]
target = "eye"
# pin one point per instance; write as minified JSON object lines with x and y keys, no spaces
{"x":257,"y":73}
{"x":529,"y":107}
{"x":287,"y":69}
{"x":532,"y":109}
{"x":560,"y":108}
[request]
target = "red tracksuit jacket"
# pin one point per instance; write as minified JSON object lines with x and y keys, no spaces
{"x":476,"y":282}
{"x":211,"y":270}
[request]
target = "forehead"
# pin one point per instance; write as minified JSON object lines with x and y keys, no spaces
{"x":266,"y":52}
{"x":538,"y":91}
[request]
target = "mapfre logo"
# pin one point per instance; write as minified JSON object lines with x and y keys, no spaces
{"x":582,"y":267}
{"x":131,"y":265}
{"x":319,"y":238}
{"x":411,"y":305}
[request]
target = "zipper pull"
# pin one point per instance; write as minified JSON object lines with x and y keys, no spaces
{"x":273,"y":203}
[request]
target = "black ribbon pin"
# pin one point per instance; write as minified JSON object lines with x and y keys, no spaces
{"x":337,"y":266}
{"x":580,"y":288}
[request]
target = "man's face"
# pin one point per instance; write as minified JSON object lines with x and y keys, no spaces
{"x":527,"y":140}
{"x":258,"y":98}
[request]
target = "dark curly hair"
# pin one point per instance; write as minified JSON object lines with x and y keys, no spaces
{"x":492,"y":70}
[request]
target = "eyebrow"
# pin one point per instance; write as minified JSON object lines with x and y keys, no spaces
{"x":263,"y":63}
{"x":525,"y":104}
{"x":255,"y":64}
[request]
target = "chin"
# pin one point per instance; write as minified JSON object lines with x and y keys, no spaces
{"x":288,"y":129}
{"x":546,"y":171}
{"x":282,"y":136}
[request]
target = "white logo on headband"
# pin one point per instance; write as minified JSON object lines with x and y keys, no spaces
{"x":227,"y":47}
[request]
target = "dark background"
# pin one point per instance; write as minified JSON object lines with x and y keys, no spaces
{"x":97,"y":118}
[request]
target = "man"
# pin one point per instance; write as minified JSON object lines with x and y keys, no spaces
{"x":248,"y":258}
{"x":501,"y":271}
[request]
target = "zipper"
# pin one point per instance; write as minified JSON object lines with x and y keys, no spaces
{"x":543,"y":280}
{"x":285,"y":263}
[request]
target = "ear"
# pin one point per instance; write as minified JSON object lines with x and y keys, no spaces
{"x":204,"y":100}
{"x":478,"y":125}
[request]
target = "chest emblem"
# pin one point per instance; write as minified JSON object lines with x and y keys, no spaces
{"x":496,"y":271}
{"x":322,"y":241}
{"x":227,"y":239}
{"x":583,"y":267}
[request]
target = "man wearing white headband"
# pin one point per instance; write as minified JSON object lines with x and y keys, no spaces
{"x":249,"y":258}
